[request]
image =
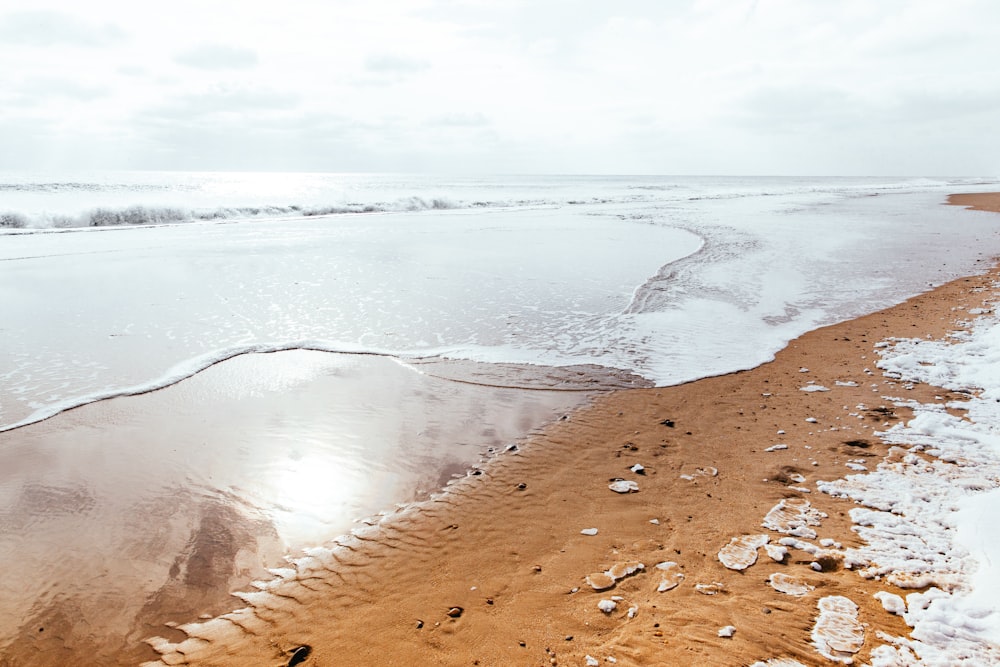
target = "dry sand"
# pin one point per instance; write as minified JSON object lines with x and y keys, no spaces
{"x":494,"y":571}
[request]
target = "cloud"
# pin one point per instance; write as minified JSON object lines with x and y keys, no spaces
{"x":221,"y":101}
{"x":386,"y":69}
{"x":47,"y":28}
{"x":218,"y":56}
{"x":459,"y":119}
{"x":40,"y":89}
{"x":790,"y":109}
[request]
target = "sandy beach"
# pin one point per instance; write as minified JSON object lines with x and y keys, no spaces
{"x":502,"y":568}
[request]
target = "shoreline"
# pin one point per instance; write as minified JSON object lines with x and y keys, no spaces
{"x":485,"y":573}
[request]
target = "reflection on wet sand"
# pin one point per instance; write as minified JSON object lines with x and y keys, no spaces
{"x":125,"y":515}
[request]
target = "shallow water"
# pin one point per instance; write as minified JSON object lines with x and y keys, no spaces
{"x":133,"y":511}
{"x":137,"y":511}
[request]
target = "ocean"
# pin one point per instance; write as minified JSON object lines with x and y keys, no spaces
{"x":271,"y":357}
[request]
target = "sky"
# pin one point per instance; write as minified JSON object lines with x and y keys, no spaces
{"x":787,"y":87}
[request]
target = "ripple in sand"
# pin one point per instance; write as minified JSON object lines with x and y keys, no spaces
{"x":789,"y":585}
{"x":793,"y":516}
{"x":837,"y":634}
{"x":741,"y":552}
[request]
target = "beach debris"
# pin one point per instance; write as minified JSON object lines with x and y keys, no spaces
{"x":589,"y":531}
{"x":669,"y":423}
{"x":455,"y":612}
{"x":591,"y":661}
{"x":812,"y":420}
{"x":847,"y":383}
{"x":600,"y":581}
{"x":778,"y":662}
{"x":623,"y":486}
{"x":814,"y":387}
{"x":299,"y":655}
{"x":837,"y":634}
{"x":741,"y":552}
{"x":789,"y":585}
{"x":776,"y":448}
{"x":670,"y":576}
{"x":638,"y":469}
{"x":607,"y":606}
{"x":803,"y":370}
{"x":655,"y":522}
{"x":777,"y":552}
{"x":713,"y":588}
{"x":632,"y":611}
{"x":793,"y":516}
{"x":727,"y":631}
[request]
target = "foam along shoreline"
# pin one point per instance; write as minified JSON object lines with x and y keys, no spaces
{"x":783,"y":460}
{"x":580,"y":377}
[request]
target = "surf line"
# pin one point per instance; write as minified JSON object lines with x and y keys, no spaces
{"x":188,"y":369}
{"x":409,"y":360}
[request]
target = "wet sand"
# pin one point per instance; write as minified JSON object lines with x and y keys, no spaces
{"x":494,"y":572}
{"x":125,"y":514}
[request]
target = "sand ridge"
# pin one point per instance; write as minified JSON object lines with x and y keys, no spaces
{"x":494,"y":572}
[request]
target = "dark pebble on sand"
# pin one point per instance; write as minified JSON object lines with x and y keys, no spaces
{"x":299,"y":655}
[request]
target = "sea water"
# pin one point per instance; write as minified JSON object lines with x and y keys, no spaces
{"x":202,"y":372}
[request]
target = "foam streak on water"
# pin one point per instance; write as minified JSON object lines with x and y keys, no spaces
{"x":632,"y":274}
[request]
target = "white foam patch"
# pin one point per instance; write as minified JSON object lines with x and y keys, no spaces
{"x":789,"y":585}
{"x":600,"y":581}
{"x":741,"y":552}
{"x":794,"y":516}
{"x":624,"y":486}
{"x":927,"y":511}
{"x":776,"y":552}
{"x":837,"y":634}
{"x":670,"y":576}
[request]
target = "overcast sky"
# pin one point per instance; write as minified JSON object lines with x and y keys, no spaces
{"x":626,"y":86}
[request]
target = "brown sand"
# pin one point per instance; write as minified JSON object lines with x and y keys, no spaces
{"x":977,"y":201}
{"x":503,"y":553}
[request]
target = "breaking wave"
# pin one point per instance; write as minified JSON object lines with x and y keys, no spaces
{"x":160,"y":215}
